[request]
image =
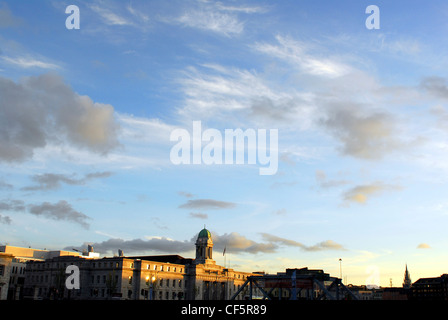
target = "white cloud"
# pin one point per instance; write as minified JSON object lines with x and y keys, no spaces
{"x":109,"y":17}
{"x":28,"y":62}
{"x":222,"y":23}
{"x":214,"y":17}
{"x":297,"y":54}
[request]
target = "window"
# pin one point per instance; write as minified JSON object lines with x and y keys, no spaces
{"x":130,"y":279}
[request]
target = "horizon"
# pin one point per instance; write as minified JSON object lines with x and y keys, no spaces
{"x":91,"y":93}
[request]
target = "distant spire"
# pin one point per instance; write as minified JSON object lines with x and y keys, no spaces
{"x":407,"y":279}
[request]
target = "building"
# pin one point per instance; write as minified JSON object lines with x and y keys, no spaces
{"x":395,"y":293}
{"x":5,"y":274}
{"x":162,"y":277}
{"x":12,"y":267}
{"x":430,"y":288}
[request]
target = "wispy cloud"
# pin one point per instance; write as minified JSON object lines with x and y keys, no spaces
{"x":28,"y":62}
{"x":198,"y":215}
{"x":243,"y":9}
{"x":207,"y":204}
{"x":214,"y":17}
{"x":12,"y":205}
{"x":186,"y":194}
{"x":52,"y":181}
{"x":325,"y":245}
{"x":208,"y":20}
{"x":109,"y":17}
{"x":362,"y":193}
{"x":242,"y":96}
{"x":323,"y":182}
{"x":298,"y":55}
{"x":61,"y":210}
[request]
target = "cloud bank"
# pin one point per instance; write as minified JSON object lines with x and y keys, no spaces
{"x":40,"y":110}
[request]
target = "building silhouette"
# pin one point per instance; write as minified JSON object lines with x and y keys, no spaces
{"x":432,"y":289}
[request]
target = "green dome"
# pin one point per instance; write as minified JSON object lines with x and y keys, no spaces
{"x":204,"y":234}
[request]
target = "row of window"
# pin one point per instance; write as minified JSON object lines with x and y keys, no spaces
{"x":18,"y":270}
{"x":162,"y":267}
{"x":155,"y":267}
{"x":164,"y":282}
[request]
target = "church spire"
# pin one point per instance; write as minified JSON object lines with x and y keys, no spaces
{"x":407,"y":279}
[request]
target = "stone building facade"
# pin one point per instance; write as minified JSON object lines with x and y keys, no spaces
{"x":13,"y":262}
{"x":162,"y":277}
{"x":5,"y":273}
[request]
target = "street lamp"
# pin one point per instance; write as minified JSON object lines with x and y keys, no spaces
{"x":150,"y":285}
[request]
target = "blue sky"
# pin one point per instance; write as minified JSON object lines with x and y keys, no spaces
{"x":86,"y":117}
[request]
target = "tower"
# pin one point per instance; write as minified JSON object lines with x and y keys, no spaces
{"x":407,"y":279}
{"x":204,"y":246}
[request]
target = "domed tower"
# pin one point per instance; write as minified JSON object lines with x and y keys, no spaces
{"x":204,"y":246}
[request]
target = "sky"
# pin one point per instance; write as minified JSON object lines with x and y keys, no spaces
{"x":87,"y":116}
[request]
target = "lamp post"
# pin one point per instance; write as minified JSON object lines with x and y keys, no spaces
{"x":340,"y":267}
